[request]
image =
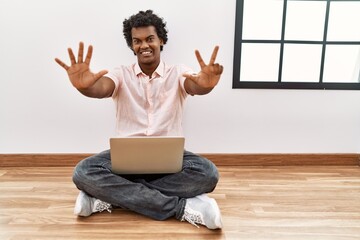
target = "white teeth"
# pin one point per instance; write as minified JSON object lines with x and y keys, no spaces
{"x":146,"y":53}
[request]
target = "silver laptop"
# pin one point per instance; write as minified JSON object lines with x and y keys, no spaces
{"x":146,"y":155}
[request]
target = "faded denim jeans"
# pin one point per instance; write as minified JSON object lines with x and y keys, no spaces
{"x":156,"y":196}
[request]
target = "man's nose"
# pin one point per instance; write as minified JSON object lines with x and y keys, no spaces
{"x":144,"y":44}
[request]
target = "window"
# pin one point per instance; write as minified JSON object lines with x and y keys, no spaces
{"x":297,"y":44}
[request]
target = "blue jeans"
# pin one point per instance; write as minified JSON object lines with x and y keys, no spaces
{"x":156,"y":196}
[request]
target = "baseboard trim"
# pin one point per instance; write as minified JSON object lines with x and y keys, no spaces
{"x":220,"y":159}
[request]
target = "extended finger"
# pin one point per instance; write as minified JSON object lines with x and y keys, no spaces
{"x":199,"y":58}
{"x":100,"y":74}
{"x":81,"y":52}
{"x":88,"y":55}
{"x":213,"y":55}
{"x":72,"y":56}
{"x":61,"y":63}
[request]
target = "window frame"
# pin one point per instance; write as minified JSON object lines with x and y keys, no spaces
{"x":238,"y":41}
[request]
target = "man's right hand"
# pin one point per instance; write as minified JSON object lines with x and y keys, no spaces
{"x":79,"y":72}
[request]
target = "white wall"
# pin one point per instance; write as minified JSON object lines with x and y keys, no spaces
{"x":42,"y":113}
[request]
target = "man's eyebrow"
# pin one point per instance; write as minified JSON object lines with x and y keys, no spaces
{"x":152,"y":35}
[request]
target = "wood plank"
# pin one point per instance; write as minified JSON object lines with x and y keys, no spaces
{"x":285,"y":202}
{"x":331,"y":159}
{"x":220,"y":159}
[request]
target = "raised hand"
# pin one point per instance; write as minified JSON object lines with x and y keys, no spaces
{"x":79,"y":72}
{"x":209,"y":75}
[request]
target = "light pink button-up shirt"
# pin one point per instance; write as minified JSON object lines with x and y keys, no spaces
{"x":149,"y":106}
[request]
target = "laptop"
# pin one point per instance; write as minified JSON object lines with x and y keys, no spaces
{"x":147,"y":155}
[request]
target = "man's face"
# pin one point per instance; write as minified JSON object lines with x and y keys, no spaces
{"x":146,"y":45}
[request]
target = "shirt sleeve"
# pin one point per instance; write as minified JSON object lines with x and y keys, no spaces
{"x":116,"y":75}
{"x":184,"y":69}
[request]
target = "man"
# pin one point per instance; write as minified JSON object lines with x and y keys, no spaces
{"x":149,"y":97}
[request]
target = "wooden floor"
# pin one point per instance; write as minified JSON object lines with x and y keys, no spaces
{"x":256,"y":202}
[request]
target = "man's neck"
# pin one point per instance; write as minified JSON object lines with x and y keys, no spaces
{"x":149,"y":69}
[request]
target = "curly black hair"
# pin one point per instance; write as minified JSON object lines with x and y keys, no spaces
{"x":144,"y":19}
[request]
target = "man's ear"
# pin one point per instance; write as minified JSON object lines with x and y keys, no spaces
{"x":161,"y":44}
{"x":133,"y":51}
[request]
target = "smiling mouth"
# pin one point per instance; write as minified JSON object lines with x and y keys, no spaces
{"x":145,"y":53}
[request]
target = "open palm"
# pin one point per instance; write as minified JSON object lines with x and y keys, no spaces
{"x":79,"y":72}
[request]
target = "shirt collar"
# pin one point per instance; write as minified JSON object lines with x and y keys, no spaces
{"x":158,"y":71}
